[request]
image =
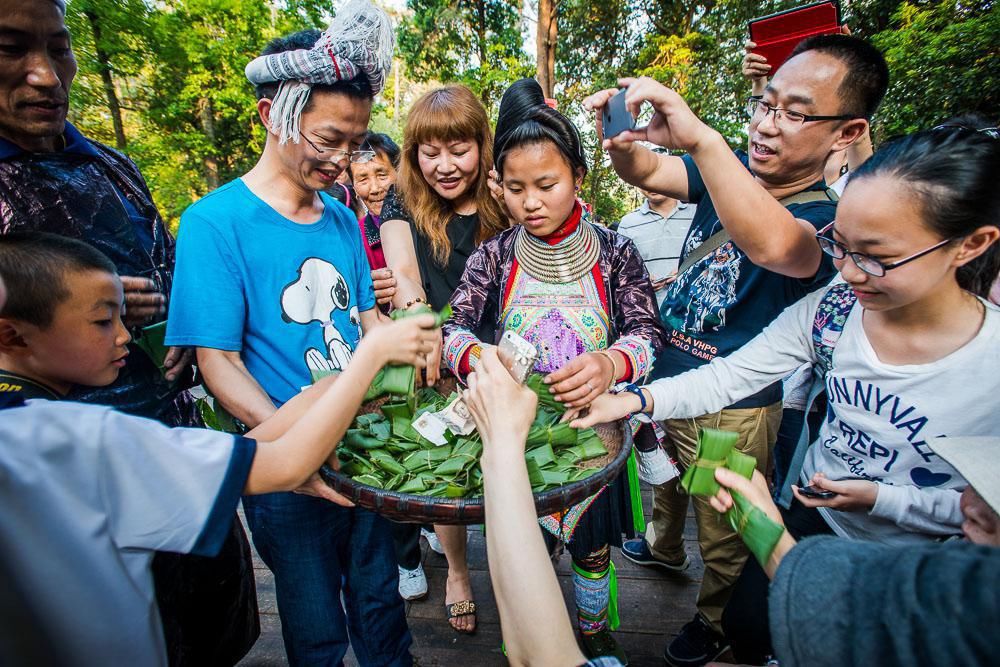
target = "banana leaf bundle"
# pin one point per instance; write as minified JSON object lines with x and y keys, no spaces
{"x":385,"y":451}
{"x":715,"y":450}
{"x":397,"y":380}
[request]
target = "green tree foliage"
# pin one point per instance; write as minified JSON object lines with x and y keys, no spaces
{"x":474,"y":42}
{"x":945,"y":61}
{"x":163,"y":79}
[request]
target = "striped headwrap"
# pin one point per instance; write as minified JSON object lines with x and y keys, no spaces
{"x":360,"y":39}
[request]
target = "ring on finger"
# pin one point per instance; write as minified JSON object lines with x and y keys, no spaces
{"x":589,"y":386}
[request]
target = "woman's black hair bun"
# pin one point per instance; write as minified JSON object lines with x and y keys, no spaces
{"x":525,"y":118}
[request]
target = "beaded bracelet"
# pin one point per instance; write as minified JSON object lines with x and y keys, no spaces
{"x":419,"y":299}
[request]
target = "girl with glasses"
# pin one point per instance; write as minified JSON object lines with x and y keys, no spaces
{"x":907,"y":348}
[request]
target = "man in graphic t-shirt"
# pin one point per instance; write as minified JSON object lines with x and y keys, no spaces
{"x":273,"y":289}
{"x":752,"y":240}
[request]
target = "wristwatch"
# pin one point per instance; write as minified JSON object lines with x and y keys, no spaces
{"x":633,"y":388}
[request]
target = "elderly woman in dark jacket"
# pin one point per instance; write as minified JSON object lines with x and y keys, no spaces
{"x":580,"y":293}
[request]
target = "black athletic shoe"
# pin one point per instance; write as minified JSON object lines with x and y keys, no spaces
{"x":638,"y":552}
{"x":696,"y":645}
{"x":603,"y":644}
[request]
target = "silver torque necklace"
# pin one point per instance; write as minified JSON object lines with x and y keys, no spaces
{"x":565,"y":262}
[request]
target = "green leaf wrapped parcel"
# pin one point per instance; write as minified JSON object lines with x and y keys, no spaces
{"x":716,"y":450}
{"x":385,"y":451}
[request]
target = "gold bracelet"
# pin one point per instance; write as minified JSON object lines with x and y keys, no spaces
{"x":614,"y":367}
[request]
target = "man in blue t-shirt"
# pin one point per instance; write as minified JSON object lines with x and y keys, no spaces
{"x":273,"y":289}
{"x":754,"y":254}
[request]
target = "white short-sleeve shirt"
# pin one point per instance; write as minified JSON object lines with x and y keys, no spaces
{"x":88,"y":494}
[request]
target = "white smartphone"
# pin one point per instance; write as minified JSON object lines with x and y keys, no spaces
{"x":517,"y":355}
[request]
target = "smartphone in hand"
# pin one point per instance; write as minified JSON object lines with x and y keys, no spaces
{"x":816,"y":493}
{"x":615,"y":117}
{"x":517,"y":355}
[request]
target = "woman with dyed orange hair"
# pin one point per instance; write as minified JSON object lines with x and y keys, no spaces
{"x":439,"y":213}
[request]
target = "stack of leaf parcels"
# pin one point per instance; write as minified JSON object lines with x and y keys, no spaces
{"x":715,"y":450}
{"x":385,"y":451}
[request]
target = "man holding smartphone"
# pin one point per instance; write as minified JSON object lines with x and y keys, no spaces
{"x":750,"y":253}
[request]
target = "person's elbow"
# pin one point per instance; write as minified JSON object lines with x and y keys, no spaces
{"x":793,"y":259}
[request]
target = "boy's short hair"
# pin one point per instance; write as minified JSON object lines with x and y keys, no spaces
{"x":358,"y":88}
{"x":867,"y":78}
{"x":34,"y":265}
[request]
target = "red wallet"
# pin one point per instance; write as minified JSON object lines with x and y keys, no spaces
{"x":776,"y":35}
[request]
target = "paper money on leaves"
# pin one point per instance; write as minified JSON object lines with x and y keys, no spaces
{"x":389,"y":451}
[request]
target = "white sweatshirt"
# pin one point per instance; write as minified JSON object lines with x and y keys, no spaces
{"x":879,"y":420}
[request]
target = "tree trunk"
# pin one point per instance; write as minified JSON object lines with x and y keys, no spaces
{"x":104,"y":64}
{"x":545,"y":45}
{"x":206,"y":113}
{"x":481,"y":31}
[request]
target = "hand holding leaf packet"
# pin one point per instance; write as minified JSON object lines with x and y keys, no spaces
{"x":715,"y":450}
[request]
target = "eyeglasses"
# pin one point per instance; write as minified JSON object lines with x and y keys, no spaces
{"x":757,"y":109}
{"x":339,"y":154}
{"x":866,"y":263}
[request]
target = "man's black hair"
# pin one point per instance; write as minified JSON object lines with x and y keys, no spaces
{"x":33,"y":265}
{"x":867,"y":77}
{"x":358,"y":88}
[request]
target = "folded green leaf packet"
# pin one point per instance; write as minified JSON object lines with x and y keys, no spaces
{"x":401,"y":380}
{"x":385,"y":451}
{"x":715,"y":450}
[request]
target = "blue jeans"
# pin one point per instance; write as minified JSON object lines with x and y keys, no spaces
{"x":316,"y":549}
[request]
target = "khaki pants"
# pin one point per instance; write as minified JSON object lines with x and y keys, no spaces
{"x":721,"y":548}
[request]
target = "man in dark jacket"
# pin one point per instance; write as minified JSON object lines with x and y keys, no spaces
{"x":54,"y":179}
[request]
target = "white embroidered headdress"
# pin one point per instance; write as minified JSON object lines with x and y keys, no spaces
{"x":360,"y":39}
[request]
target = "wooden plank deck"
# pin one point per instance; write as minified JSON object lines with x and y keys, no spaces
{"x":654,"y":606}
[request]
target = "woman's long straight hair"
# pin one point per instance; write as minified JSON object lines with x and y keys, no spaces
{"x":452,"y":113}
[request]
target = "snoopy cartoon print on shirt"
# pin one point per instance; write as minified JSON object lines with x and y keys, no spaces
{"x":316,"y":295}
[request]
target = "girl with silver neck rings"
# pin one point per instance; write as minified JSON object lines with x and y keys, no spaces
{"x":581,"y":295}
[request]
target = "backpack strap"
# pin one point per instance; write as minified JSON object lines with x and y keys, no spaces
{"x":711,"y":244}
{"x":828,"y":325}
{"x":716,"y":240}
{"x":810,"y":196}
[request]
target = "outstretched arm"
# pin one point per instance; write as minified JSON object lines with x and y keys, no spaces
{"x":536,"y":627}
{"x":306,"y":434}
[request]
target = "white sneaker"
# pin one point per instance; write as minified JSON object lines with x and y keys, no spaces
{"x":432,"y":541}
{"x":655,"y":467}
{"x":412,"y":583}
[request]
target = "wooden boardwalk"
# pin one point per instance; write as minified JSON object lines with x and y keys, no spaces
{"x":654,"y":606}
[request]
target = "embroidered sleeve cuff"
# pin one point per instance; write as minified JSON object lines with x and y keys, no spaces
{"x":638,"y":355}
{"x":459,"y":348}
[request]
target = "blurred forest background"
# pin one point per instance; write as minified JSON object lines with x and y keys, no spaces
{"x":163,"y":80}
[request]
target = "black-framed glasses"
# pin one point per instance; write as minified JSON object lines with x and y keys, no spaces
{"x":867,"y":263}
{"x":758,"y":109}
{"x":339,"y":154}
